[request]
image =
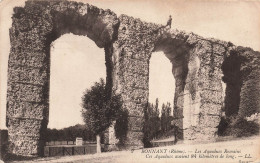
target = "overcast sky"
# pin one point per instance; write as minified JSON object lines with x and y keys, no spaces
{"x":82,"y":63}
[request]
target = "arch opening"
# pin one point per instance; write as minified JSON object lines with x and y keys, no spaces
{"x":76,"y":63}
{"x":233,"y":82}
{"x":233,"y":79}
{"x":73,"y":73}
{"x":174,"y":55}
{"x":161,"y":80}
{"x":159,"y":112}
{"x":177,"y":53}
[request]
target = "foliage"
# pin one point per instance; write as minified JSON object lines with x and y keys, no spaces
{"x":70,"y":134}
{"x":166,"y":117}
{"x":100,"y":107}
{"x":152,"y":123}
{"x":121,"y":126}
{"x":237,"y":126}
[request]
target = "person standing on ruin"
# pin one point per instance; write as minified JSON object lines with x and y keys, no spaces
{"x":169,"y":22}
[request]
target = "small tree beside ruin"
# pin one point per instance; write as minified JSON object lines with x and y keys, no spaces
{"x":100,"y":109}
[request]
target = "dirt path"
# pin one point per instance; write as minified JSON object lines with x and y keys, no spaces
{"x":239,"y":151}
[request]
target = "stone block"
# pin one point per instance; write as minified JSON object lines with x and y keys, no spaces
{"x":33,"y":46}
{"x":211,"y":96}
{"x":138,"y":95}
{"x":24,"y":145}
{"x":198,"y":134}
{"x":205,"y":135}
{"x":211,"y":109}
{"x":191,"y":97}
{"x":136,"y":66}
{"x":196,"y":108}
{"x":135,"y":124}
{"x":211,"y":84}
{"x":195,"y":119}
{"x":192,"y":75}
{"x":191,"y":87}
{"x":219,"y":49}
{"x":134,"y":138}
{"x":37,"y":76}
{"x":134,"y":109}
{"x":27,"y":58}
{"x":25,"y":92}
{"x":211,"y":59}
{"x":24,"y":127}
{"x":24,"y":136}
{"x":209,"y":72}
{"x":189,"y":134}
{"x":27,"y":110}
{"x":202,"y":47}
{"x":209,"y":121}
{"x":136,"y":81}
{"x":186,"y":120}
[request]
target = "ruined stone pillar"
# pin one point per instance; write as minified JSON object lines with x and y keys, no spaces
{"x":196,"y":67}
{"x":28,"y":81}
{"x":179,"y":70}
{"x":33,"y":29}
{"x":202,"y":97}
{"x":28,"y":84}
{"x":131,"y":54}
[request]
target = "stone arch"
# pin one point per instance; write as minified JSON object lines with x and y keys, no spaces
{"x":198,"y":92}
{"x":232,"y":77}
{"x":241,"y":76}
{"x":177,"y":51}
{"x":34,"y":28}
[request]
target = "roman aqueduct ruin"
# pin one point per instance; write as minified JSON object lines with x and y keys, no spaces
{"x":199,"y":66}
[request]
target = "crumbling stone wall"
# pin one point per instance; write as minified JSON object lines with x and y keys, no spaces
{"x":128,"y":44}
{"x":34,"y":28}
{"x":196,"y":66}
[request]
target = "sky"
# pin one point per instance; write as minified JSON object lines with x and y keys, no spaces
{"x":76,"y":63}
{"x":83,"y":62}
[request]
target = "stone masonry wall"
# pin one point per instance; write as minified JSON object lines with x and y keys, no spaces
{"x":132,"y":51}
{"x":34,"y":28}
{"x":197,"y":66}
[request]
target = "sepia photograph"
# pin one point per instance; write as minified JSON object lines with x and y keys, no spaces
{"x":130,"y":81}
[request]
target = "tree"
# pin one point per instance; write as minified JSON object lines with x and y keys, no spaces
{"x":163,"y":118}
{"x":148,"y":125}
{"x":70,"y":133}
{"x":157,"y":107}
{"x":151,"y":123}
{"x":100,"y":108}
{"x":166,"y":117}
